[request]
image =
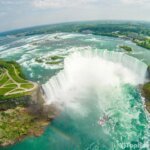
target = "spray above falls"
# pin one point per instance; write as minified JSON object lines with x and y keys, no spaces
{"x":95,"y":70}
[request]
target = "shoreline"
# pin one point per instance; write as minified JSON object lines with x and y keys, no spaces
{"x":33,"y":126}
{"x":145,"y":91}
{"x":26,"y":121}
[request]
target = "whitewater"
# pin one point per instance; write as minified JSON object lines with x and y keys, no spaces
{"x":95,"y":84}
{"x":97,"y":69}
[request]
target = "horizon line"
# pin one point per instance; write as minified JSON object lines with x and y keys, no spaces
{"x":67,"y":22}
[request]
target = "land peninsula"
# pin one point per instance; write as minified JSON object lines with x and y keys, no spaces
{"x":21,"y":105}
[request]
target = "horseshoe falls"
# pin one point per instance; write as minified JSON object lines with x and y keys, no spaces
{"x":93,"y":85}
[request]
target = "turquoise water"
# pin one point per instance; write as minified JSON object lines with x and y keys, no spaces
{"x":72,"y":132}
{"x":25,"y":50}
{"x":127,"y":125}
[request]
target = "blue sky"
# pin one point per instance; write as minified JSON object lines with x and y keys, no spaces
{"x":24,"y":13}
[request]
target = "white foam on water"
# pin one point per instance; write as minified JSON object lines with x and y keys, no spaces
{"x":2,"y":48}
{"x":69,"y":36}
{"x":39,"y":39}
{"x":91,"y":39}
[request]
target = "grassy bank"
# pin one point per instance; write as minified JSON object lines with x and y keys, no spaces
{"x":17,"y":123}
{"x":12,"y":81}
{"x":143,"y":43}
{"x":16,"y":97}
{"x":146,"y":90}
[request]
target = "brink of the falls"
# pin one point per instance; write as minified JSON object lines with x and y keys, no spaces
{"x":93,"y":69}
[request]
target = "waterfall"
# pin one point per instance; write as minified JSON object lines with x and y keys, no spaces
{"x":86,"y":69}
{"x":95,"y":84}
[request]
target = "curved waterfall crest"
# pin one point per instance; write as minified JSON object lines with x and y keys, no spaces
{"x":83,"y":69}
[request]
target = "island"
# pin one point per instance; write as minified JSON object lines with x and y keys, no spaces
{"x":126,"y":48}
{"x":21,"y":105}
{"x":50,"y":60}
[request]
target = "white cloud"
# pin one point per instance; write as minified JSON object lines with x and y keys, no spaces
{"x":44,"y":4}
{"x":2,"y":14}
{"x":61,"y":3}
{"x":12,"y":2}
{"x":135,"y":1}
{"x":24,"y":13}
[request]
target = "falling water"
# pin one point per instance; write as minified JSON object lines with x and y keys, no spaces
{"x":94,"y":84}
{"x":98,"y":68}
